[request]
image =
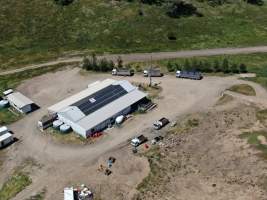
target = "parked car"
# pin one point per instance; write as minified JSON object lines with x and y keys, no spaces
{"x":138,"y":140}
{"x":161,"y":123}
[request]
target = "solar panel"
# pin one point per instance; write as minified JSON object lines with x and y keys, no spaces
{"x":99,"y":99}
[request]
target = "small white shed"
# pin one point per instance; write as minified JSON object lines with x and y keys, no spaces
{"x":6,"y":139}
{"x":20,"y":102}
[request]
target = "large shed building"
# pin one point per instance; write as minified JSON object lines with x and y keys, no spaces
{"x":96,"y":107}
{"x":20,"y":102}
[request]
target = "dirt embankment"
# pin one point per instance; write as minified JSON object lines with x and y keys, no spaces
{"x":207,"y":160}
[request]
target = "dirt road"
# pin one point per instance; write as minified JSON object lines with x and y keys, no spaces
{"x":65,"y":165}
{"x":138,"y":57}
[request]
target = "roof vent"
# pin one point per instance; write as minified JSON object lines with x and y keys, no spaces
{"x":92,"y":100}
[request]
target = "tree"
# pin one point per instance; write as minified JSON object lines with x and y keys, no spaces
{"x":180,"y":8}
{"x":255,"y":2}
{"x":170,"y":67}
{"x":225,"y":66}
{"x":243,"y":68}
{"x":234,"y":68}
{"x":216,"y":66}
{"x":187,"y":65}
{"x":64,"y":2}
{"x":119,"y":62}
{"x":94,"y":62}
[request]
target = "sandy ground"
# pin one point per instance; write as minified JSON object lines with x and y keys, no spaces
{"x":64,"y":165}
{"x":211,"y":161}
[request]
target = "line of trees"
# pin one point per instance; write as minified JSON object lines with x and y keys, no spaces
{"x":92,"y":63}
{"x":205,"y":66}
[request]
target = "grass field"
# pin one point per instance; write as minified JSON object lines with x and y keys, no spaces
{"x":8,"y":117}
{"x":34,"y":31}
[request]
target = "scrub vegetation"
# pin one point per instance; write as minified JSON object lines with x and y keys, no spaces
{"x":8,"y":117}
{"x":35,"y":31}
{"x":243,"y":89}
{"x":258,"y":140}
{"x":18,"y":182}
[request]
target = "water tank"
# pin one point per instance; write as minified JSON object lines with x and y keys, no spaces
{"x":4,"y":103}
{"x":65,"y":128}
{"x":119,"y":119}
{"x":57,"y":124}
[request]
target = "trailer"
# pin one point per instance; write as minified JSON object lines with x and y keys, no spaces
{"x":6,"y":139}
{"x":46,"y":121}
{"x":161,"y":123}
{"x":122,"y":72}
{"x":153,"y":73}
{"x":189,"y":75}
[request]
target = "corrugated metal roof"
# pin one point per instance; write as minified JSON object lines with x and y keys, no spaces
{"x":73,"y":113}
{"x":19,"y":99}
{"x":92,"y":88}
{"x":111,"y":109}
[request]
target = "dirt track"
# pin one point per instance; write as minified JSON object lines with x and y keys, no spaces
{"x":64,"y":165}
{"x":138,"y":57}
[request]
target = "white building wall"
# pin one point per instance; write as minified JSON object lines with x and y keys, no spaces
{"x":76,"y":128}
{"x":105,"y":123}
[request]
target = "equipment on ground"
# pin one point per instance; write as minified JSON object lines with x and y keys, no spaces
{"x":108,"y":172}
{"x":189,"y":75}
{"x":138,"y":140}
{"x":161,"y":123}
{"x":119,"y":119}
{"x":122,"y":72}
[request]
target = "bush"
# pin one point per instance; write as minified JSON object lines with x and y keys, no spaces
{"x":92,"y":63}
{"x":64,"y":2}
{"x":182,"y":9}
{"x":170,"y":67}
{"x":243,"y":68}
{"x":234,"y":68}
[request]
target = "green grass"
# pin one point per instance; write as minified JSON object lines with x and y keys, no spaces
{"x":34,"y":31}
{"x":243,"y":89}
{"x":18,"y":182}
{"x":252,"y":139}
{"x":8,"y":117}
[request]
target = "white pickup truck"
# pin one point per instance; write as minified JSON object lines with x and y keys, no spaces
{"x":138,"y":140}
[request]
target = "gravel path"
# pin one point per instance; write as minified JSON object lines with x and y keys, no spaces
{"x":138,"y":57}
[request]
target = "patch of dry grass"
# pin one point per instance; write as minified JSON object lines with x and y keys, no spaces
{"x":224,"y":99}
{"x":244,"y":89}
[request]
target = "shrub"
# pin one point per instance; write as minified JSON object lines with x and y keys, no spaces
{"x":64,"y":2}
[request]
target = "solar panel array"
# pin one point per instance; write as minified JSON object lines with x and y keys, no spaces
{"x":99,"y":99}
